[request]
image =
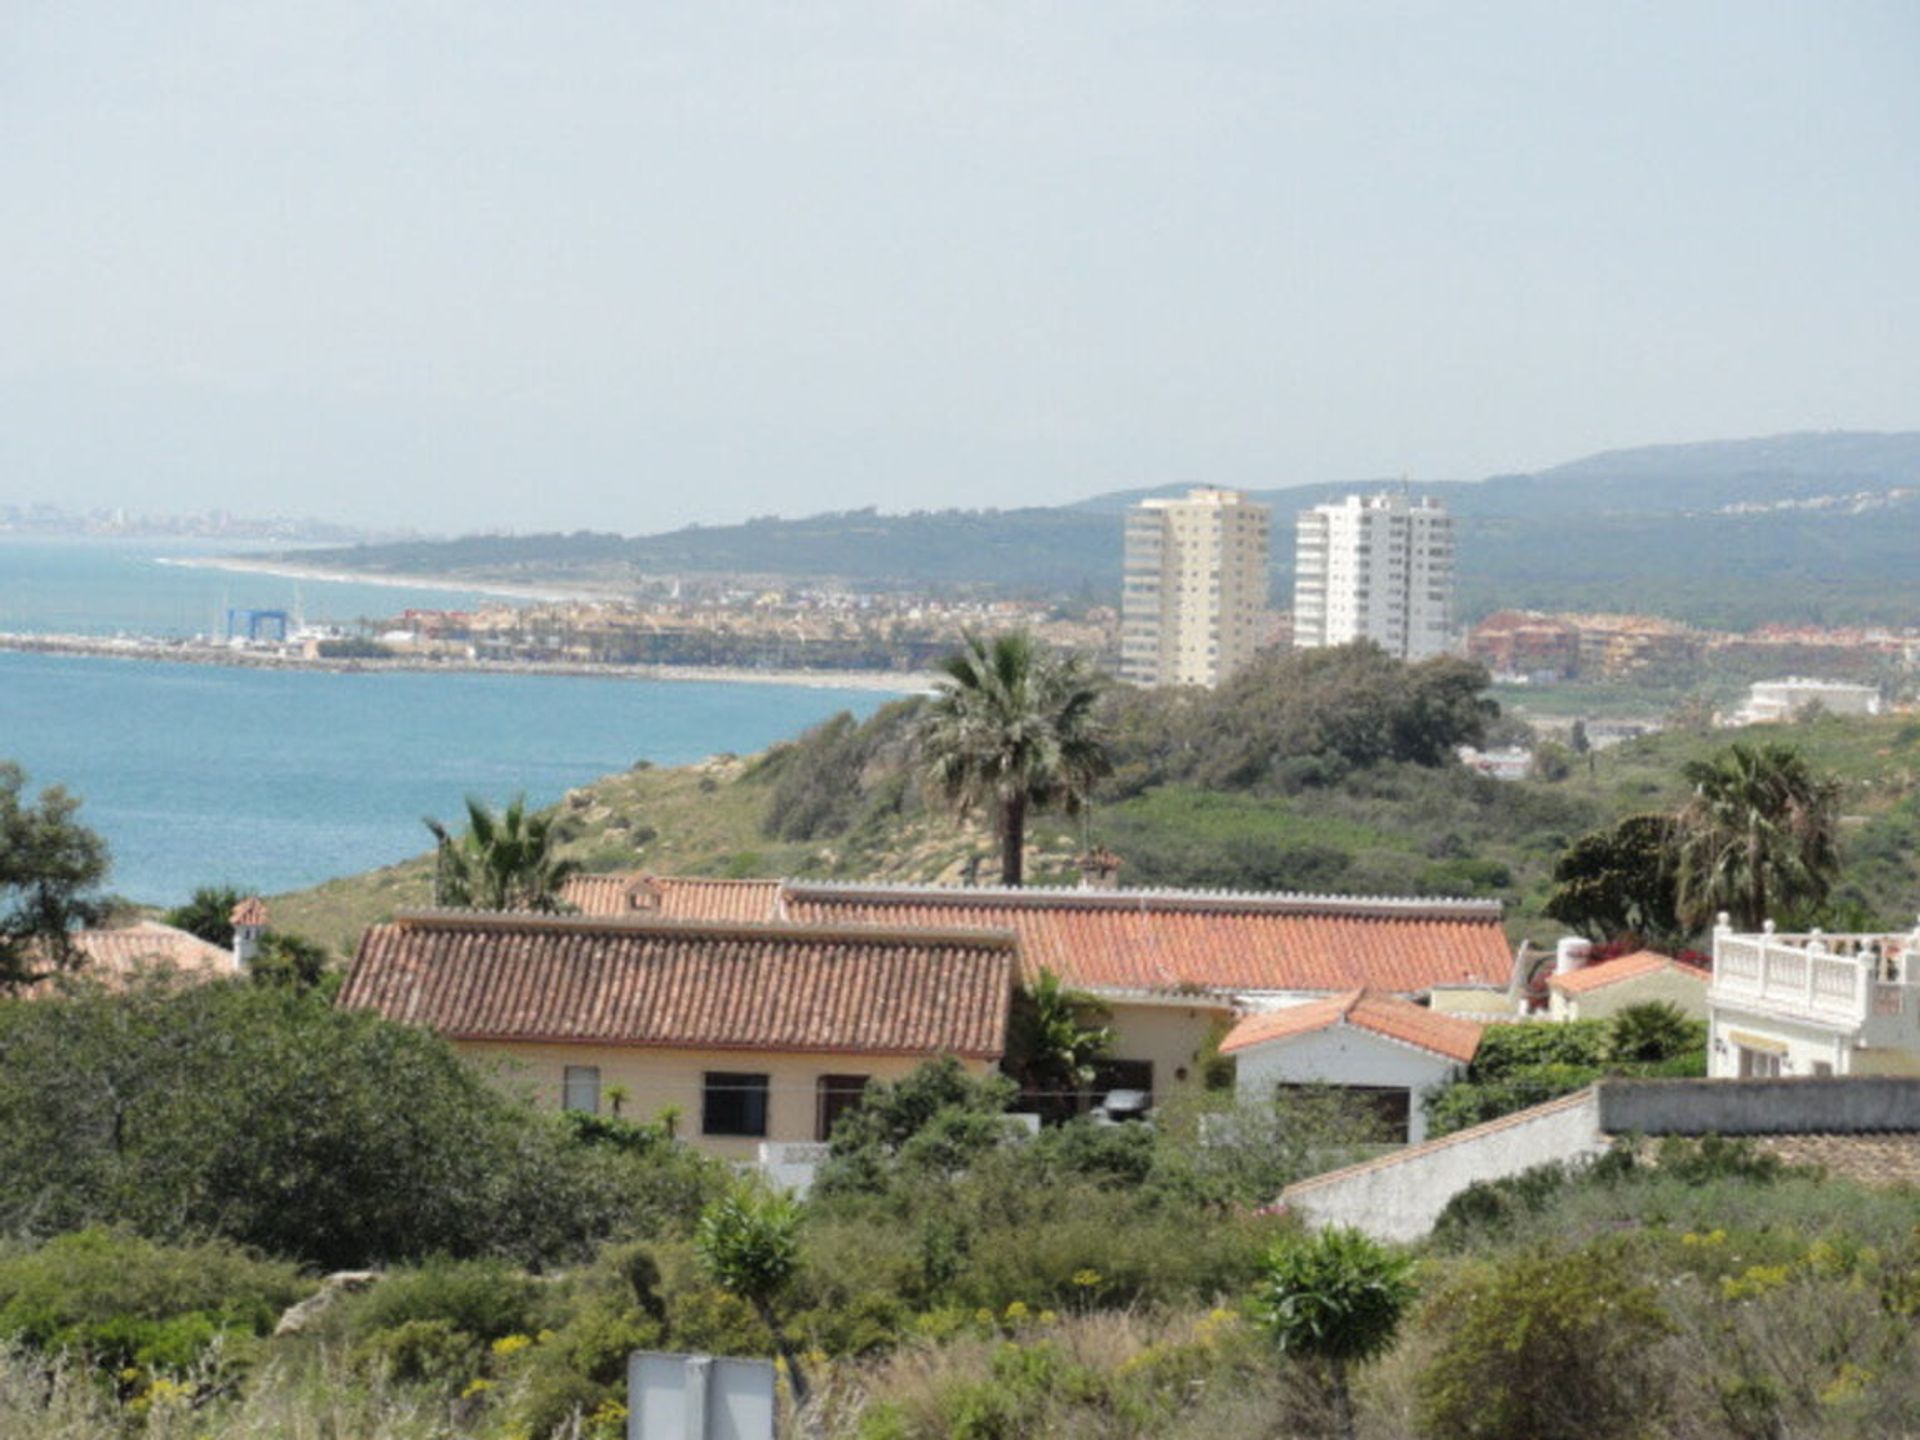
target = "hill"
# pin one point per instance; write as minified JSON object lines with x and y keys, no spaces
{"x":842,"y":802}
{"x":1818,"y":528}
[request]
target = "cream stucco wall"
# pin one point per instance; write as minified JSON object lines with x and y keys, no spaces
{"x":1173,"y":1035}
{"x":659,"y":1077}
{"x":1686,"y":993}
{"x":1474,"y":1002}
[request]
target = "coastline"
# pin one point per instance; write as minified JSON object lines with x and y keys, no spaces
{"x":183,"y":652}
{"x":292,"y":570}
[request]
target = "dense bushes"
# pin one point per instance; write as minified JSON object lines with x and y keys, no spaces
{"x":270,"y":1118}
{"x":1526,"y":1064}
{"x":126,"y":1304}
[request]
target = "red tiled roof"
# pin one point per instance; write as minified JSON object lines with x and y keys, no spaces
{"x":115,"y":956}
{"x":250,"y":911}
{"x":673,"y":897}
{"x":639,"y":981}
{"x":1627,"y":967}
{"x":1387,"y":1015}
{"x":1171,"y":940}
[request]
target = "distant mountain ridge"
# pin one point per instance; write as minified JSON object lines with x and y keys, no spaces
{"x":1816,"y":527}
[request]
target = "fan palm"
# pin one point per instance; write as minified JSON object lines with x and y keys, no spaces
{"x":1013,"y":731}
{"x":1758,"y":834}
{"x":504,"y":861}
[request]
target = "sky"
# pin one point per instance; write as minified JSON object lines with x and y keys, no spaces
{"x":460,"y":265}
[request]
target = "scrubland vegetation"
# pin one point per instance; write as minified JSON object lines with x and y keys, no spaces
{"x":947,"y":1280}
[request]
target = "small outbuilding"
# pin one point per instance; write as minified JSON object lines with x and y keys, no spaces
{"x":1388,"y":1050}
{"x":1596,"y":992}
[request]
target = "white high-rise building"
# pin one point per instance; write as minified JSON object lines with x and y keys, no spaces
{"x":1196,"y":587}
{"x":1375,"y":567}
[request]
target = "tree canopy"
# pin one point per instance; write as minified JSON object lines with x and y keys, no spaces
{"x":1759,"y":834}
{"x":504,"y":861}
{"x":51,"y":868}
{"x":1013,"y":730}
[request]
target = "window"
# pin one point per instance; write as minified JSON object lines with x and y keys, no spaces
{"x":1390,"y":1106}
{"x":1759,"y":1064}
{"x":836,"y":1094}
{"x":580,"y":1089}
{"x":733,"y":1104}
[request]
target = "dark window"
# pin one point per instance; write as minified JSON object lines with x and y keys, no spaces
{"x":1121,"y":1075}
{"x":733,"y":1104}
{"x":1391,"y":1107}
{"x":836,"y":1094}
{"x":580,"y":1089}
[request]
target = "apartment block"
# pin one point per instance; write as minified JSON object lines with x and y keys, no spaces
{"x":1195,"y":587}
{"x":1375,"y":567}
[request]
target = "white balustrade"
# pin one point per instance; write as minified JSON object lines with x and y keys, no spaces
{"x":1844,"y":978}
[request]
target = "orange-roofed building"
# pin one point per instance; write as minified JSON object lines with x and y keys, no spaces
{"x":1603,"y":989}
{"x":118,"y":957}
{"x":1380,"y":1047}
{"x":756,"y":1032}
{"x":1172,"y":967}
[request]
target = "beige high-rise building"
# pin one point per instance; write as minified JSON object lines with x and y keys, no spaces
{"x":1375,"y":567}
{"x":1195,"y":587}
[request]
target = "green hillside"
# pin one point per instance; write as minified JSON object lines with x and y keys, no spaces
{"x":844,"y":802}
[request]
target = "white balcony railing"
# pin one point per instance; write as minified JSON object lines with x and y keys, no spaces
{"x":1841,"y":979}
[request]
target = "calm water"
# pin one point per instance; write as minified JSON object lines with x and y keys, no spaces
{"x":110,"y":587}
{"x":266,"y":780}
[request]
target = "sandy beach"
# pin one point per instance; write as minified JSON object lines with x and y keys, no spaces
{"x":292,"y":570}
{"x":189,"y":652}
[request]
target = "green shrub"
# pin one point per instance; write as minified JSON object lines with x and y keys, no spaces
{"x":421,"y":1352}
{"x":486,"y":1299}
{"x":126,"y":1302}
{"x":270,"y":1117}
{"x":1508,"y":1049}
{"x":1548,"y":1345}
{"x":1653,"y":1031}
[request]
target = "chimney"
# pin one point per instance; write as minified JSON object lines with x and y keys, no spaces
{"x":1099,"y":869}
{"x":1571,"y":954}
{"x":249,"y":919}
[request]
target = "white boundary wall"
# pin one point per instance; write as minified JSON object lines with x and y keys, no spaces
{"x":1399,"y":1196}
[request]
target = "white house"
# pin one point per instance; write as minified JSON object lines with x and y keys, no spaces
{"x":1813,"y":1004}
{"x":1379,"y":1046}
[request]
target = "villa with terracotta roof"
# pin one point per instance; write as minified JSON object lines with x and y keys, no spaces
{"x":1596,"y":991}
{"x":758,"y":1031}
{"x":1386,"y":1049}
{"x":1172,"y":967}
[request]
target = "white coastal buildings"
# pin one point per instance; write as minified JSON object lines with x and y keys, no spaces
{"x":1195,"y":587}
{"x":1770,"y":701}
{"x":1813,"y":1004}
{"x":1375,"y":567}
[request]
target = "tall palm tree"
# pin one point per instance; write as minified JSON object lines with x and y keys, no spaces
{"x":1757,"y":835}
{"x":1013,"y":731}
{"x":503,"y":862}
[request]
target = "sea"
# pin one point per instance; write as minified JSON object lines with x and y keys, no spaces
{"x":272,"y":780}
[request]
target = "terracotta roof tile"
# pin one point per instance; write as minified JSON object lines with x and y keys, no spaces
{"x":636,"y":981}
{"x":1172,"y":940}
{"x":250,"y":911}
{"x":1627,"y":967}
{"x":1386,"y":1015}
{"x":115,"y":956}
{"x":673,"y":897}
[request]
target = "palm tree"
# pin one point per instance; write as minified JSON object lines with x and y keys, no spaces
{"x":1758,"y":834}
{"x":1013,"y":731}
{"x":503,"y":862}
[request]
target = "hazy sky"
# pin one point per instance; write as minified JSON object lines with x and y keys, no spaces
{"x":628,"y":265}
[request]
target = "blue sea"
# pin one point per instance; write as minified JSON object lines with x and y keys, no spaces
{"x":271,"y":780}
